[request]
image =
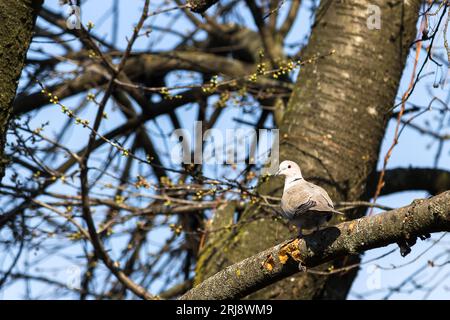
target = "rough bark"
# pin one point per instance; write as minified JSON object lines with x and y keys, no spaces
{"x":333,"y":127}
{"x":17,"y":19}
{"x":349,"y":238}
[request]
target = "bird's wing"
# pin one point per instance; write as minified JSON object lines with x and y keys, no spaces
{"x":304,"y":207}
{"x":298,"y":200}
{"x":327,"y":198}
{"x":321,"y":197}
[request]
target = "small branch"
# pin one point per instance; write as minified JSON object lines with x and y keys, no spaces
{"x":290,"y":19}
{"x":348,"y":238}
{"x":266,"y":37}
{"x":176,"y":290}
{"x":349,"y":205}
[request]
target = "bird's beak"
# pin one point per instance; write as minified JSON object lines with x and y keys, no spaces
{"x":277,"y":173}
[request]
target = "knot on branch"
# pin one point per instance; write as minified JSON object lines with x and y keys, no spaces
{"x":288,"y":250}
{"x":292,"y":249}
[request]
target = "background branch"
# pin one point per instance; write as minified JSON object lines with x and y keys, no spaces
{"x":434,"y":181}
{"x":200,"y":6}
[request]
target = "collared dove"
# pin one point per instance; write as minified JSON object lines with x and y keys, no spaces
{"x":303,"y":203}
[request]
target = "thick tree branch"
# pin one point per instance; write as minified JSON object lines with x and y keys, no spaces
{"x":348,"y":238}
{"x":434,"y":181}
{"x":17,"y":20}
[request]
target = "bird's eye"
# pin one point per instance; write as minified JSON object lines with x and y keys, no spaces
{"x":289,"y":166}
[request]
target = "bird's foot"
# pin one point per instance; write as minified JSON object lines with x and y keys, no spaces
{"x":301,"y":267}
{"x":297,"y":230}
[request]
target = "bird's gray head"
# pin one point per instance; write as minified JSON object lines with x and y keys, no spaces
{"x":289,"y":169}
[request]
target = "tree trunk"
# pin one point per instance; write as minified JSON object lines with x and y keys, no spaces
{"x":333,"y":127}
{"x":17,"y":20}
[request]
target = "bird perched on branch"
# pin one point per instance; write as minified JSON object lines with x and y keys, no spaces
{"x":303,"y":203}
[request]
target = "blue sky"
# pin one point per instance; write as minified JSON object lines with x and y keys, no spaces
{"x":413,"y":149}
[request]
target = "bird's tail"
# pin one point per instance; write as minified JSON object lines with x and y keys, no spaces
{"x":338,"y":212}
{"x":330,"y":214}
